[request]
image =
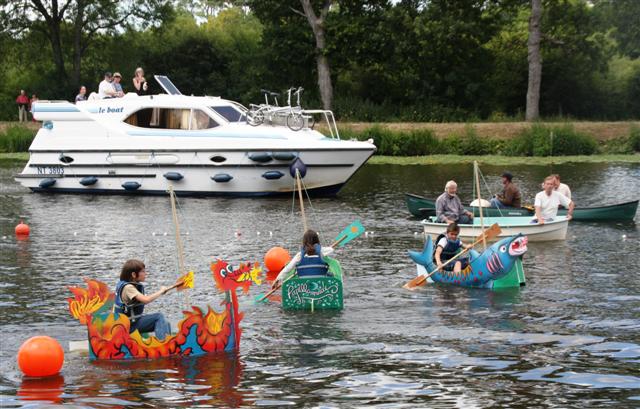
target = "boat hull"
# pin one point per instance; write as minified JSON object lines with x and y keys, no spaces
{"x":422,"y":207}
{"x":514,"y":278}
{"x":510,"y":226}
{"x":315,"y":293}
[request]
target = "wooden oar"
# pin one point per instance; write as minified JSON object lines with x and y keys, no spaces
{"x":349,"y":233}
{"x":490,"y":233}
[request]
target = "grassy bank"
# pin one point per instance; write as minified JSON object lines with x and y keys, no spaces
{"x":13,"y":159}
{"x":500,"y":160}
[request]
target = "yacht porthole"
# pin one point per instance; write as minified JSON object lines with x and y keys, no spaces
{"x":217,"y":159}
{"x":65,"y":158}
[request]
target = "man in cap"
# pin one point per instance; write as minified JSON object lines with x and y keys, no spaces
{"x":105,"y":89}
{"x":116,"y":84}
{"x":510,"y":196}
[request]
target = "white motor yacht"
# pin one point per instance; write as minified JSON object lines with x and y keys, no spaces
{"x":200,"y":145}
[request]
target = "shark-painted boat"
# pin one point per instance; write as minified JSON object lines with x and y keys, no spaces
{"x":420,"y":206}
{"x":199,"y":332}
{"x":510,"y":226}
{"x":499,"y":266}
{"x":314,"y":293}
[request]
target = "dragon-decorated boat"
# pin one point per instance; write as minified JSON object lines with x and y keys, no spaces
{"x":420,"y":206}
{"x":199,"y":332}
{"x":312,"y":293}
{"x":499,"y":266}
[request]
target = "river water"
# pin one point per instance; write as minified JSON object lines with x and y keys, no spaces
{"x":569,"y":338}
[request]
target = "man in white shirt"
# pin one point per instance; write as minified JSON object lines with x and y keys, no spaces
{"x":547,"y":202}
{"x":105,"y":89}
{"x":561,"y":187}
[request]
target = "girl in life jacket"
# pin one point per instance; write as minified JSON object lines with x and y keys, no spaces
{"x":131,"y":299}
{"x":308,"y":262}
{"x":447,"y":246}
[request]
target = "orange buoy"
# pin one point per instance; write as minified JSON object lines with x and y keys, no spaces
{"x":22,"y":229}
{"x":276,"y":258}
{"x":40,"y":356}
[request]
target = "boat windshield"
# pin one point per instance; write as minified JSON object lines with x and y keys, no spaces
{"x":229,"y":113}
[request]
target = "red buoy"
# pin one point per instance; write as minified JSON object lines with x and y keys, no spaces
{"x":22,"y":229}
{"x":276,"y":258}
{"x":40,"y":356}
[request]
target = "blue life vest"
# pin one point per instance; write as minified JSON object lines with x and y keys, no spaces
{"x":134,"y":310}
{"x":450,"y":250}
{"x":312,"y":265}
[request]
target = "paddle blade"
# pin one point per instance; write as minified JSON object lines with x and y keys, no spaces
{"x":352,"y":231}
{"x":416,"y":282}
{"x":187,"y":281}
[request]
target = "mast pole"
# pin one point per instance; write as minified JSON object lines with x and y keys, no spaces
{"x":476,"y":176}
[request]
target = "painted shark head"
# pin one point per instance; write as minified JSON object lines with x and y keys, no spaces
{"x":498,"y":260}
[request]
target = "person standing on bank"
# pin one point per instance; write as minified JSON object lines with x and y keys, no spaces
{"x":547,"y":202}
{"x":131,"y":299}
{"x":449,"y":208}
{"x":23,"y":106}
{"x":510,"y":196}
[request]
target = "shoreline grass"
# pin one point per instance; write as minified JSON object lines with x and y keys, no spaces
{"x":501,"y":160}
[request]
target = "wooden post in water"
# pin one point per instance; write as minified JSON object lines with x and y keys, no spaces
{"x":476,"y":176}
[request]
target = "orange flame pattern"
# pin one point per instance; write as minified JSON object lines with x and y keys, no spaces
{"x":87,"y":301}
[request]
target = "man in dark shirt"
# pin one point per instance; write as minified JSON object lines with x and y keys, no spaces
{"x":510,"y":196}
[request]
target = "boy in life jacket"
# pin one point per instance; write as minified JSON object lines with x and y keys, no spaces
{"x":308,"y":262}
{"x":131,"y":299}
{"x":447,"y":246}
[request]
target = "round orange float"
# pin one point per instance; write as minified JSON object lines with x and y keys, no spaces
{"x":40,"y":356}
{"x":22,"y":229}
{"x":276,"y":258}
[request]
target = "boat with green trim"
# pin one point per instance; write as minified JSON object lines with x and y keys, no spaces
{"x":312,"y":293}
{"x":555,"y":229}
{"x":420,"y":206}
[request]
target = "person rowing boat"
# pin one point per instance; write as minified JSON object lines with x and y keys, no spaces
{"x":309,"y":261}
{"x":510,"y":196}
{"x":547,"y":202}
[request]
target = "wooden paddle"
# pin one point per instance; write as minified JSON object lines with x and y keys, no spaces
{"x":349,"y":233}
{"x":490,"y":233}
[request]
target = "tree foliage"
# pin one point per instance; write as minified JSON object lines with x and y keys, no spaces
{"x":409,"y":60}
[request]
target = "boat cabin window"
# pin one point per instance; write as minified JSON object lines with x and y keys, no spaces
{"x":171,"y":118}
{"x":229,"y":113}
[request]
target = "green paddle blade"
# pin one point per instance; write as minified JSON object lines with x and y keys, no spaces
{"x":352,"y":231}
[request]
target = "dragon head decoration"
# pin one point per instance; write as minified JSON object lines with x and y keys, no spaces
{"x":227,"y":278}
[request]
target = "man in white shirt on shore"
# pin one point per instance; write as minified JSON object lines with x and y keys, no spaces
{"x":547,"y":202}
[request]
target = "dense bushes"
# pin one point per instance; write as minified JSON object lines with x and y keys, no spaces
{"x":535,"y":141}
{"x":16,"y":139}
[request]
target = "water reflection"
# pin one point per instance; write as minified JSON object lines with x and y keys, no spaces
{"x":570,"y":336}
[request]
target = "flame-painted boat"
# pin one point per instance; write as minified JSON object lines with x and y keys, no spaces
{"x":314,"y":292}
{"x":555,"y":229}
{"x":420,"y":206}
{"x":499,"y":266}
{"x":199,"y":332}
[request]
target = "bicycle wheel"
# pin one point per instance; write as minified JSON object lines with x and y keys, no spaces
{"x":255,"y":118}
{"x":295,"y":121}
